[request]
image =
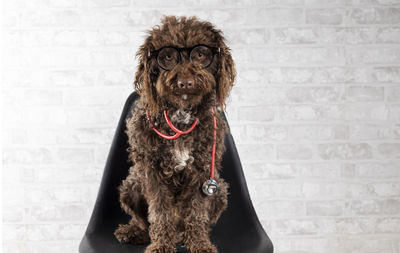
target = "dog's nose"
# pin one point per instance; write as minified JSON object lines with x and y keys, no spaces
{"x":186,"y":83}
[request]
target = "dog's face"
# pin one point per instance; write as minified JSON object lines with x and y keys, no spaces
{"x":181,"y":62}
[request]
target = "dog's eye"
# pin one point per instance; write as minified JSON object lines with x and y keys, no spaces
{"x":168,"y":57}
{"x":202,"y":55}
{"x":198,"y":55}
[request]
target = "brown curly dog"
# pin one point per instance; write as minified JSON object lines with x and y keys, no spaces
{"x":186,"y":69}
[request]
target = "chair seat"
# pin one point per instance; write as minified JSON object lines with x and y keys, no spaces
{"x":238,"y":230}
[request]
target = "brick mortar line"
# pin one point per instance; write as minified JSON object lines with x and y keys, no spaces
{"x":338,"y":236}
{"x":249,"y":65}
{"x":252,"y":84}
{"x":301,"y":179}
{"x":237,"y":27}
{"x":336,"y":86}
{"x":241,"y":144}
{"x":225,"y":7}
{"x":114,"y":47}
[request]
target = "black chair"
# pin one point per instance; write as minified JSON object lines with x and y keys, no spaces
{"x":238,"y":230}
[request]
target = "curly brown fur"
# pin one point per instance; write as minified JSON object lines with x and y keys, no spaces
{"x":163,"y":192}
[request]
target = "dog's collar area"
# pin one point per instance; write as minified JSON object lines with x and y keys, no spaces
{"x":210,"y":186}
{"x":175,"y":129}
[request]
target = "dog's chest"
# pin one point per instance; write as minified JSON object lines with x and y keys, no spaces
{"x":181,"y":116}
{"x":181,"y":156}
{"x":181,"y":151}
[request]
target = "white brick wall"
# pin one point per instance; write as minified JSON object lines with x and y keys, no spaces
{"x":315,"y":114}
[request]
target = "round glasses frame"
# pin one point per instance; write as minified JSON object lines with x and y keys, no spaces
{"x":214,"y":51}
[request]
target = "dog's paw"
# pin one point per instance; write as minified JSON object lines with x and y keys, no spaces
{"x":204,"y":249}
{"x":131,"y":234}
{"x":158,"y":248}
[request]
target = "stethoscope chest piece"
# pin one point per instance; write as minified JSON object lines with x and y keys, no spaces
{"x":210,"y":187}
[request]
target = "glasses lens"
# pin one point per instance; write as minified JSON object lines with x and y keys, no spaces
{"x":168,"y":58}
{"x":202,"y":55}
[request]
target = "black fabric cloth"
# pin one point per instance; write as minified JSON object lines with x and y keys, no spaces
{"x":238,"y":230}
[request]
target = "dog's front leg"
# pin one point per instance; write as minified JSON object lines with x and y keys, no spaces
{"x":197,"y":225}
{"x":162,"y":218}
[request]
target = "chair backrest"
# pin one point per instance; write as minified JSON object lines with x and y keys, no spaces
{"x":237,"y":230}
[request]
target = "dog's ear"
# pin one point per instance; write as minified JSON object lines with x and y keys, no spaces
{"x":226,"y":74}
{"x":145,"y":78}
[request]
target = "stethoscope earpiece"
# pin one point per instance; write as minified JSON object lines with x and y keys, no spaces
{"x":210,"y":187}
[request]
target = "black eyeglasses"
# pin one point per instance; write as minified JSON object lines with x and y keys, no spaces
{"x":168,"y":57}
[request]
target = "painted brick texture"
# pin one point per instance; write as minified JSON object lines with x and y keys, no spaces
{"x":315,"y":114}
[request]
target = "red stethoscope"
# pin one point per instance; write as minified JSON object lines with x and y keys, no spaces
{"x":210,"y":186}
